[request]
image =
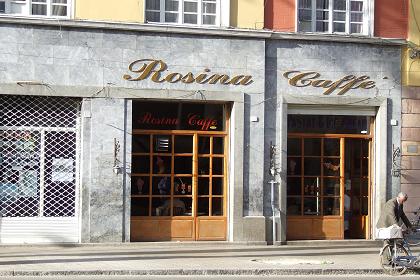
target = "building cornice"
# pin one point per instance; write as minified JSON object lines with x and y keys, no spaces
{"x":200,"y":30}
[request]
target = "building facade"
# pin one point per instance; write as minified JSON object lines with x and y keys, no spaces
{"x":154,"y":121}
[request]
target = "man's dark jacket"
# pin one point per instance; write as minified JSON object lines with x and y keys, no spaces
{"x":391,"y":214}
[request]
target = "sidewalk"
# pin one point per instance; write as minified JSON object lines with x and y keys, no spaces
{"x":188,"y":258}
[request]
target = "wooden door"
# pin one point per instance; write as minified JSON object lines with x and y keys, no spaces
{"x":315,"y":179}
{"x":326,"y":173}
{"x":179,"y":185}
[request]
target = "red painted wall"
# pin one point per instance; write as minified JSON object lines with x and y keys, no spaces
{"x":280,"y":15}
{"x":391,"y":18}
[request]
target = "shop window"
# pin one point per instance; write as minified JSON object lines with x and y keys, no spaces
{"x":38,"y":8}
{"x":333,"y":16}
{"x":196,"y":12}
{"x":178,"y":165}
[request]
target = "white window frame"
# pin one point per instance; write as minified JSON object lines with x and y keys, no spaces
{"x":27,"y":8}
{"x":367,"y":24}
{"x":222,"y":17}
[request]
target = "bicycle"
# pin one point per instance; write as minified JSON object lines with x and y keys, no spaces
{"x":396,"y":255}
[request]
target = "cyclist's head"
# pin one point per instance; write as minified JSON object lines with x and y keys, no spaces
{"x":402,"y":197}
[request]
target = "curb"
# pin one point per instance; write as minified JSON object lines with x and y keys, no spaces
{"x":267,"y":272}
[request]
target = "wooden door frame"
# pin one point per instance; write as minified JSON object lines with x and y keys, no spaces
{"x":342,"y":138}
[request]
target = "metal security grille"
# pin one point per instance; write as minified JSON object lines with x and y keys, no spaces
{"x":38,"y":155}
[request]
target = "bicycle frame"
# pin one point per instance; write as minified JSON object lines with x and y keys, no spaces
{"x":409,"y":261}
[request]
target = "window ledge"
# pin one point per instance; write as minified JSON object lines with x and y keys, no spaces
{"x":199,"y":30}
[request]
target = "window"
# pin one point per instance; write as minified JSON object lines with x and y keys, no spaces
{"x":197,"y":12}
{"x":333,"y":16}
{"x":43,"y":8}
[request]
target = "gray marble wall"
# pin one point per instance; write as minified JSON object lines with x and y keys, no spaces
{"x":91,"y":63}
{"x":333,"y":61}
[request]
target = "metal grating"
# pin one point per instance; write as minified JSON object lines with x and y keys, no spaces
{"x":38,"y":149}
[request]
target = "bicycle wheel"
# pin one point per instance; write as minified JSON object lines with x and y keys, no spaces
{"x":386,"y":257}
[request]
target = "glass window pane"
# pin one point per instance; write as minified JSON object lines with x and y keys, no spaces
{"x":171,"y":17}
{"x":356,"y":6}
{"x":218,"y":145}
{"x":305,"y":15}
{"x":322,"y":15}
{"x":183,"y":144}
{"x":294,"y":186}
{"x":59,"y":11}
{"x":339,"y":27}
{"x":339,"y":5}
{"x":182,"y":185}
{"x":203,"y":186}
{"x":217,"y":206}
{"x":203,"y":206}
{"x":141,"y":144}
{"x":311,"y":186}
{"x":182,"y":206}
{"x":365,"y":148}
{"x":209,"y":20}
{"x":2,"y":7}
{"x":312,"y":166}
{"x":218,"y":166}
{"x":161,"y":206}
{"x":365,"y":167}
{"x":331,"y":206}
{"x":171,"y":5}
{"x":183,"y":165}
{"x":364,"y":210}
{"x":305,"y":26}
{"x":312,"y":206}
{"x":190,"y":19}
{"x":37,"y":1}
{"x":209,"y":8}
{"x":355,"y":186}
{"x":294,"y":166}
{"x":364,"y":187}
{"x":339,"y":16}
{"x":356,"y":28}
{"x":294,"y":206}
{"x":356,"y":17}
{"x":153,"y":16}
{"x":59,"y":1}
{"x":17,"y":8}
{"x":140,"y":206}
{"x":204,"y":145}
{"x":217,"y":186}
{"x":161,"y":185}
{"x":312,"y":146}
{"x":322,"y":26}
{"x":140,"y":185}
{"x":190,"y":7}
{"x":332,"y":147}
{"x":331,"y":186}
{"x":331,"y":166}
{"x":294,"y":147}
{"x":152,"y":4}
{"x":39,"y":9}
{"x":203,"y":165}
{"x":162,"y":143}
{"x":162,"y":165}
{"x":140,"y":164}
{"x":305,"y":4}
{"x":322,"y":4}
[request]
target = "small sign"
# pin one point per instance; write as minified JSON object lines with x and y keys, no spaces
{"x":62,"y":170}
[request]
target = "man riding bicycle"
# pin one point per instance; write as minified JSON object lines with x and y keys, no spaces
{"x":392,"y":213}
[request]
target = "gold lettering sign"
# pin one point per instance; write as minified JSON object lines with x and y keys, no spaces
{"x":156,"y":70}
{"x":343,"y":85}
